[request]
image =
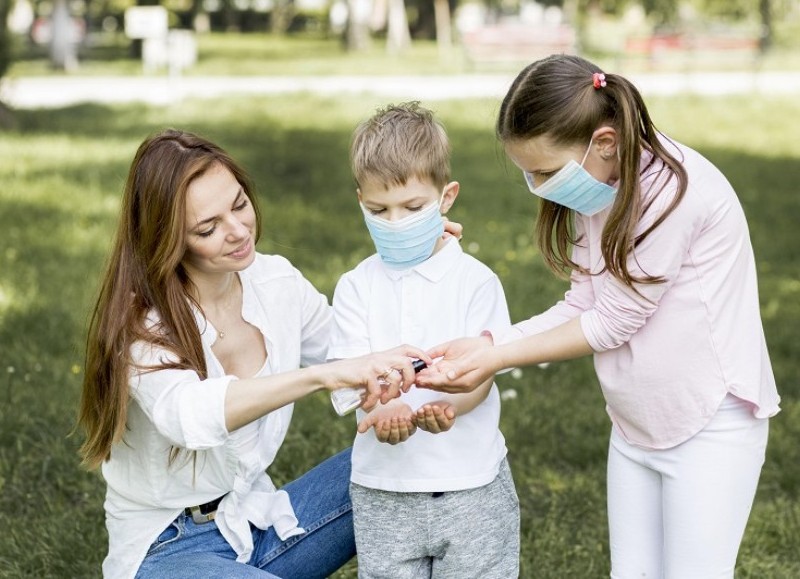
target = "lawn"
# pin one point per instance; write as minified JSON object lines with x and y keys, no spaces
{"x":61,"y":174}
{"x":318,"y":54}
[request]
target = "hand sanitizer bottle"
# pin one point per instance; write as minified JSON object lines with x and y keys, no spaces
{"x":345,"y":400}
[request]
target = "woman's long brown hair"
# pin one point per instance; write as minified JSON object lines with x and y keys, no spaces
{"x":144,"y":273}
{"x":555,"y":97}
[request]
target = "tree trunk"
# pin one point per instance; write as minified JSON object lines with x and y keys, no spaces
{"x":398,"y":38}
{"x":444,"y":30}
{"x":63,"y":49}
{"x":281,"y":16}
{"x":765,"y":11}
{"x":5,"y":37}
{"x":357,"y":37}
{"x":6,"y":116}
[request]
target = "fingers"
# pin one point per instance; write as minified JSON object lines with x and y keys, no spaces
{"x":394,"y":430}
{"x":407,"y":377}
{"x":452,"y":228}
{"x":399,"y":374}
{"x":438,"y":351}
{"x":373,"y":394}
{"x":391,"y":381}
{"x":435,"y":418}
{"x":436,"y":378}
{"x":414,"y":352}
{"x":366,"y":424}
{"x":425,"y":419}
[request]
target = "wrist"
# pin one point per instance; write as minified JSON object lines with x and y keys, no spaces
{"x":498,"y":360}
{"x":319,"y":378}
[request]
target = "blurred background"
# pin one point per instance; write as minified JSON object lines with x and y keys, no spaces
{"x":281,"y":84}
{"x":194,"y":36}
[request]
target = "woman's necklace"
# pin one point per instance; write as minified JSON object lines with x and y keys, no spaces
{"x":229,"y":305}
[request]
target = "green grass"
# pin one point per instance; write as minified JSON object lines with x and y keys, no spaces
{"x":259,"y":54}
{"x":263,"y":54}
{"x":61,"y":173}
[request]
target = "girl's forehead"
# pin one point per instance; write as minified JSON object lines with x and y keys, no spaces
{"x":539,"y":152}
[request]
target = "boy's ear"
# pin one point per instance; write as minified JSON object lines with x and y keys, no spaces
{"x":449,"y":194}
{"x":358,"y":192}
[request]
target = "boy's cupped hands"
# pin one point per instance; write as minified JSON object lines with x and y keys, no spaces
{"x":395,"y":422}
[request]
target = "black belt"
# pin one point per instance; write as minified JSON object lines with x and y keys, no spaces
{"x":204,"y":513}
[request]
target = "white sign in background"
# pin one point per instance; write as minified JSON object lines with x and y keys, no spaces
{"x":146,"y":22}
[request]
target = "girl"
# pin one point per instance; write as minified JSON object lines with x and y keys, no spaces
{"x":663,"y":294}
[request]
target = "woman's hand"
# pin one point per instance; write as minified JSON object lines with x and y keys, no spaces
{"x":382,"y":374}
{"x":465,"y":364}
{"x":393,"y":423}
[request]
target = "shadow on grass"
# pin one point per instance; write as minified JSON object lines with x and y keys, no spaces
{"x":48,"y":507}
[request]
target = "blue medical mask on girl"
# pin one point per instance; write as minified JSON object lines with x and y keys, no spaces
{"x":572,"y":186}
{"x":408,"y":241}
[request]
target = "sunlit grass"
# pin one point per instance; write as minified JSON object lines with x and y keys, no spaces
{"x":321,"y":54}
{"x":61,"y":174}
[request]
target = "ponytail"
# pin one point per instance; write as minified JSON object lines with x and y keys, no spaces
{"x":559,"y":96}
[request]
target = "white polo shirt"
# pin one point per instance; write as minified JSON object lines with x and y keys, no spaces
{"x":448,"y":296}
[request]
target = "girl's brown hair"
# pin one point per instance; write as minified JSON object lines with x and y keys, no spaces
{"x":555,"y":96}
{"x":145,"y":273}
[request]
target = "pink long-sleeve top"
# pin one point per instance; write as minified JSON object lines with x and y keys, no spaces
{"x":666,"y":358}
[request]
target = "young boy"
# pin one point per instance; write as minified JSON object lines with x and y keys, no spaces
{"x":442,"y":503}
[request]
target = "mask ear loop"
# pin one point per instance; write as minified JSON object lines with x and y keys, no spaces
{"x":441,"y":200}
{"x":586,"y":154}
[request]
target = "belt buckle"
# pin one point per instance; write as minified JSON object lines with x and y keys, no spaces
{"x":199,"y":518}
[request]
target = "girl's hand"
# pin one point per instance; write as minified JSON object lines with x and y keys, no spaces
{"x":465,"y":364}
{"x":382,"y":374}
{"x":435,"y":417}
{"x":393,"y":423}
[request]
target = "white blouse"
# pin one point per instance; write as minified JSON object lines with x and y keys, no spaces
{"x":175,"y":408}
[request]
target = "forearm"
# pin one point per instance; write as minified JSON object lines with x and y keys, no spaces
{"x":468,"y":401}
{"x":563,"y":342}
{"x":249,"y":399}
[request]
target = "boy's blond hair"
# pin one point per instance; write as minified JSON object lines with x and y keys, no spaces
{"x":398,"y":143}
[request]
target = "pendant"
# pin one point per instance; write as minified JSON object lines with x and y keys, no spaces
{"x":221,"y":335}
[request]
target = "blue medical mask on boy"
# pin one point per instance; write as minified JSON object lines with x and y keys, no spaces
{"x":408,"y":241}
{"x":572,"y":186}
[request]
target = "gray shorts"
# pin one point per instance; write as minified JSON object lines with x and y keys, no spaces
{"x":451,"y":535}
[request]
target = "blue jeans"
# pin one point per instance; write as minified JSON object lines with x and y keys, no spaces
{"x":321,"y":501}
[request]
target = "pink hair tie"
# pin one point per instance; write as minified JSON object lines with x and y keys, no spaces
{"x":598,"y":80}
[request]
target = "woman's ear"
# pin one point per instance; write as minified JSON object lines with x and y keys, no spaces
{"x":606,"y":141}
{"x":449,"y":194}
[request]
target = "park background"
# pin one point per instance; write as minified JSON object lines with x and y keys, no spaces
{"x":64,"y":155}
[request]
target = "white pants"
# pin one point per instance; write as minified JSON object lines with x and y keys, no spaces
{"x":680,"y":513}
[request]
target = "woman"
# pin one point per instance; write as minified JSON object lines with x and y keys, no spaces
{"x":663,"y":294}
{"x":191,"y":371}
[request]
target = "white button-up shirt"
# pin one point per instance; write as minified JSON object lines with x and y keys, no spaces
{"x":175,"y":408}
